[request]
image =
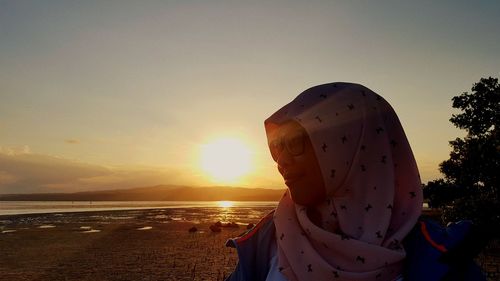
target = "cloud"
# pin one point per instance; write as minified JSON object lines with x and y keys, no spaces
{"x":124,"y":177}
{"x":22,"y":171}
{"x":15,"y":150}
{"x":72,"y":141}
{"x":6,"y":178}
{"x":28,"y":172}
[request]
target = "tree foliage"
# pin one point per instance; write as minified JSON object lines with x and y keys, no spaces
{"x":470,"y":188}
{"x":481,"y":109}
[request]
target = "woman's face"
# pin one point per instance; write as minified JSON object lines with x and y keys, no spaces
{"x":292,"y":150}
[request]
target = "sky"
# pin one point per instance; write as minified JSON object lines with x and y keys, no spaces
{"x":115,"y":94}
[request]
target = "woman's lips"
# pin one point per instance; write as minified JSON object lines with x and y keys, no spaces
{"x":291,"y":178}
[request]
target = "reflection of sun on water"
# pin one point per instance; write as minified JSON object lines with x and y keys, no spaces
{"x":225,"y":204}
{"x":225,"y":160}
{"x":225,"y":211}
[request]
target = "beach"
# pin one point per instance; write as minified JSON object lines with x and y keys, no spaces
{"x":138,"y":244}
{"x":151,"y":244}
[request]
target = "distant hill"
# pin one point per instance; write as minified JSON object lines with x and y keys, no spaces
{"x":157,"y":193}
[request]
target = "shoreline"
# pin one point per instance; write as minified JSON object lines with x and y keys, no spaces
{"x":11,"y":208}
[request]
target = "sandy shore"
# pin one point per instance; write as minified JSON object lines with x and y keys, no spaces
{"x":129,"y":245}
{"x":90,"y":246}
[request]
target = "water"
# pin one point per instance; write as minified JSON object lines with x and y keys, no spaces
{"x":41,"y":207}
{"x":48,"y":214}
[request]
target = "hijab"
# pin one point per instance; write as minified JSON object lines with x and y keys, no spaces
{"x":373,"y":189}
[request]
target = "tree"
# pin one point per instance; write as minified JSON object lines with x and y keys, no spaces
{"x":470,"y":188}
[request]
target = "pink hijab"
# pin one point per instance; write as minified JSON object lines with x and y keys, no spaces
{"x":373,"y":188}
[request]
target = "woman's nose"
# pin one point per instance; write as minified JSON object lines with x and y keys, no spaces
{"x":284,"y":159}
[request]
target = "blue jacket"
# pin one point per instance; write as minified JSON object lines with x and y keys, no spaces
{"x":424,"y":246}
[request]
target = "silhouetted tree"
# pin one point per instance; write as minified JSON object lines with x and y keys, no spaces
{"x":440,"y":192}
{"x":470,"y":188}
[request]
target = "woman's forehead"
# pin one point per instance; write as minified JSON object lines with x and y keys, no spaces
{"x":287,"y":128}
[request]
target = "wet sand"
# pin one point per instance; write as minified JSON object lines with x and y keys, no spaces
{"x":119,"y":245}
{"x":130,"y":245}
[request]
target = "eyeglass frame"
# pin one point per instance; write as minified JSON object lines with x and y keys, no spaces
{"x":285,"y":143}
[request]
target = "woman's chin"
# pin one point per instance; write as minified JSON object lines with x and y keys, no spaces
{"x":292,"y":183}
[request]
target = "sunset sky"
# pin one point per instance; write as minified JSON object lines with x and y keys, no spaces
{"x":115,"y":94}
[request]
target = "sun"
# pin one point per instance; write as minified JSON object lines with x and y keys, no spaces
{"x":226,"y":159}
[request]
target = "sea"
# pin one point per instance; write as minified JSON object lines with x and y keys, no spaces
{"x":42,"y":207}
{"x":19,"y":215}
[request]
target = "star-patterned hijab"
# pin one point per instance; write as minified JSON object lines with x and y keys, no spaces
{"x":373,"y":188}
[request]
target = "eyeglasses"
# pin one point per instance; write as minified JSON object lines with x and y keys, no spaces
{"x":293,"y":143}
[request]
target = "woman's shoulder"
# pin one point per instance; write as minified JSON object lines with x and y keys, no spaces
{"x":427,"y":247}
{"x":254,"y":250}
{"x":263,"y":228}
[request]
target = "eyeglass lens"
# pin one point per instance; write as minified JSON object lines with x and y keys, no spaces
{"x":294,"y":145}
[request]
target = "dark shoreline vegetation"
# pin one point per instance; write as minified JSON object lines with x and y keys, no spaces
{"x":157,"y":193}
{"x":470,"y":187}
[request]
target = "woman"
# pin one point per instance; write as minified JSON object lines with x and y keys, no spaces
{"x":353,"y":200}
